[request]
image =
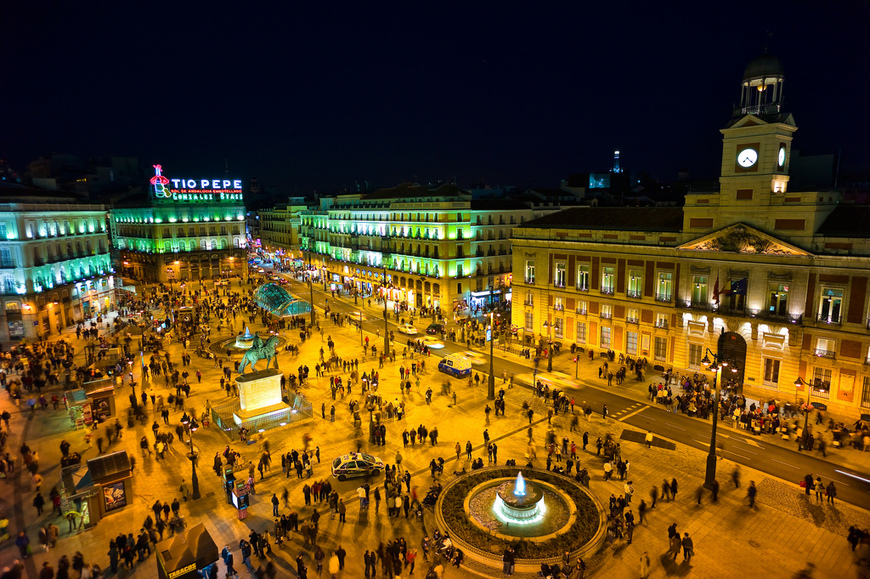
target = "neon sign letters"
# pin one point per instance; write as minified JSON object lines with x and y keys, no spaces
{"x":195,"y":190}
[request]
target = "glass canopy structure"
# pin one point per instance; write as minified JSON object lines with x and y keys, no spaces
{"x":277,"y":301}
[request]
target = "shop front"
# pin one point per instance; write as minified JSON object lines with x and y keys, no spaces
{"x":95,"y":400}
{"x":104,"y":489}
{"x":187,"y":555}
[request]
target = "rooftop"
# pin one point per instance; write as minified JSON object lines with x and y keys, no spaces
{"x":612,"y":218}
{"x":847,"y":221}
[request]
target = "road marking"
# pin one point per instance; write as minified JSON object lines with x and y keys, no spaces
{"x":785,"y":463}
{"x":750,"y":442}
{"x":633,"y":413}
{"x":737,"y":453}
{"x":675,"y":426}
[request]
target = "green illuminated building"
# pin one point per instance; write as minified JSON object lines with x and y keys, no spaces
{"x":180,"y":233}
{"x":54,"y":262}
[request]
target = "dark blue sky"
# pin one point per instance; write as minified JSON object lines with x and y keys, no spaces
{"x":318,"y":95}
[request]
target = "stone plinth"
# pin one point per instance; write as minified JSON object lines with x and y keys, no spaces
{"x":259,"y":395}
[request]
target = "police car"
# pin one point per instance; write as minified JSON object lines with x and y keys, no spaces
{"x":356,"y":464}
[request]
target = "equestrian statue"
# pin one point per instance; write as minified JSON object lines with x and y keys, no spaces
{"x":260,"y":350}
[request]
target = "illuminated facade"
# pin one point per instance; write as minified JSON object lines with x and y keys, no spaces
{"x":187,"y":230}
{"x":788,"y":271}
{"x":435,"y":245}
{"x":279,"y":231}
{"x":54,"y":261}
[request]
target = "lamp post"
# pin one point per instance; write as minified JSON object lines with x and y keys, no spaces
{"x":549,"y":329}
{"x":718,"y":366}
{"x":192,"y":426}
{"x":491,"y":383}
{"x":807,"y":408}
{"x":386,"y":315}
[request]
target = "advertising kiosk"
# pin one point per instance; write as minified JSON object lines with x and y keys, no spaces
{"x":185,"y":555}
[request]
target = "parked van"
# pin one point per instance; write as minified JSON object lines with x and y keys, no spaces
{"x":455,"y":365}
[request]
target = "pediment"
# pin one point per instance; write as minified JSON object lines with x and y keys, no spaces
{"x":741,"y":238}
{"x":748,"y":121}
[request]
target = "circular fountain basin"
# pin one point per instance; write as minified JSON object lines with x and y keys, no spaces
{"x":519,"y":507}
{"x":550,"y":515}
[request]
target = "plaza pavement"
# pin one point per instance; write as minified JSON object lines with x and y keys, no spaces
{"x":778,"y":539}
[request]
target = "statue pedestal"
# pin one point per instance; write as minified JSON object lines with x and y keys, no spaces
{"x":259,"y":395}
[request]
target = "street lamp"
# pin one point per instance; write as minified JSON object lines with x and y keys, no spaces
{"x":807,"y":408}
{"x":717,"y":367}
{"x":491,"y":390}
{"x":386,"y":315}
{"x":549,"y":328}
{"x":192,"y":426}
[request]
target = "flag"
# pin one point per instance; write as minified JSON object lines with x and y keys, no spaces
{"x":739,"y":286}
{"x":716,"y":291}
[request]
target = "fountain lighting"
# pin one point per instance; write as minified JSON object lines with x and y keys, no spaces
{"x":519,"y":502}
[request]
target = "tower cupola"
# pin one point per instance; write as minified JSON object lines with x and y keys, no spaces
{"x":761,"y":89}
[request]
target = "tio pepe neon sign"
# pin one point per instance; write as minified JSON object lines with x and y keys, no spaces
{"x":193,"y":190}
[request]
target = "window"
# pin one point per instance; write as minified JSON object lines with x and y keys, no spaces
{"x":662,"y":321}
{"x":583,"y":278}
{"x":530,"y":272}
{"x":830,"y":306}
{"x":665,"y":288}
{"x":631,"y":343}
{"x":825,"y":348}
{"x":582,"y":307}
{"x":581,"y":332}
{"x":778,"y":304}
{"x":558,"y":305}
{"x":699,"y":290}
{"x":771,"y":372}
{"x":559,"y":275}
{"x":530,"y":321}
{"x":661,"y":348}
{"x":606,"y":311}
{"x":821,"y":385}
{"x":607,"y":281}
{"x":696,"y":352}
{"x":736,"y":302}
{"x":557,"y":328}
{"x":605,"y":337}
{"x":632,"y":316}
{"x":635,"y":284}
{"x":865,"y":393}
{"x":530,"y":299}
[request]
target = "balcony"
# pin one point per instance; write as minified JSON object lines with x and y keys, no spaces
{"x":528,"y":303}
{"x":820,"y":353}
{"x":608,"y":291}
{"x":530,"y":281}
{"x":699,"y":306}
{"x":636,"y":294}
{"x":585,"y":288}
{"x":632,"y":321}
{"x":829,"y":320}
{"x":559,"y":308}
{"x":606,"y":315}
{"x":581,"y":311}
{"x":729,"y":311}
{"x":664,"y":298}
{"x":662,"y":325}
{"x":7,"y":263}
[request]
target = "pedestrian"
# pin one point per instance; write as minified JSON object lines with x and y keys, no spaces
{"x":688,"y":548}
{"x":674,"y":489}
{"x":820,"y":489}
{"x":649,"y":439}
{"x":604,"y":412}
{"x":714,"y":491}
{"x":699,"y":493}
{"x":653,"y":494}
{"x":831,"y":492}
{"x":275,"y":503}
{"x":644,"y":565}
{"x":751,"y":492}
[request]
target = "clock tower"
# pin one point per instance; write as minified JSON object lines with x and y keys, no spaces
{"x":757,"y":140}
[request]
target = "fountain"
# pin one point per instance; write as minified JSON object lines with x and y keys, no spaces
{"x":519,"y":502}
{"x":244,"y":342}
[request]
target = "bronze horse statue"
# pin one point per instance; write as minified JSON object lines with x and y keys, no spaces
{"x":260,"y":351}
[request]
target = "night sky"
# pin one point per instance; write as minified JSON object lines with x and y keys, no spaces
{"x":318,"y":95}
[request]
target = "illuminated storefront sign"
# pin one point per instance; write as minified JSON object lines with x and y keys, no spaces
{"x":195,"y":190}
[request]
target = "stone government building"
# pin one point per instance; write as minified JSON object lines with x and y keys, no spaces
{"x":787,"y":270}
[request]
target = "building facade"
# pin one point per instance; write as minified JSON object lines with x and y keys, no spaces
{"x":186,"y":229}
{"x":55,"y":262}
{"x":786,"y":271}
{"x":425,"y":246}
{"x":279,"y":232}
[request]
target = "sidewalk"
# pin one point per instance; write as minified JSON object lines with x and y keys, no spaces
{"x":787,"y":530}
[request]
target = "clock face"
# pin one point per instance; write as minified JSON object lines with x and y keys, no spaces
{"x":747,"y":158}
{"x":781,"y":158}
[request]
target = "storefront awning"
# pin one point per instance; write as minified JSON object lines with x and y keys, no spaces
{"x":183,"y":555}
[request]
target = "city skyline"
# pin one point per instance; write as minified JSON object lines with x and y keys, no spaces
{"x":309,"y":99}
